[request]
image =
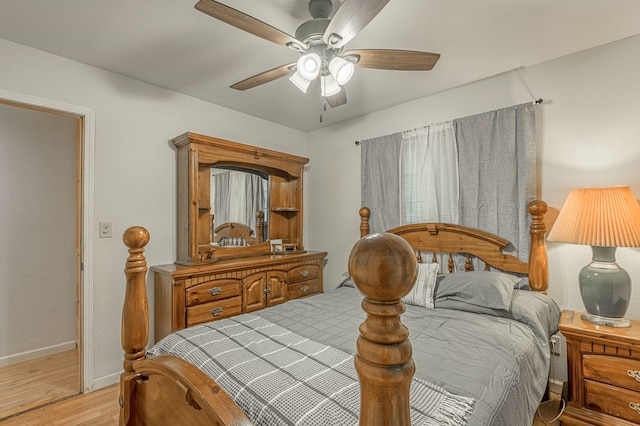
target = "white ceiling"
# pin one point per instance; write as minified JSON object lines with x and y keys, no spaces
{"x":170,"y":44}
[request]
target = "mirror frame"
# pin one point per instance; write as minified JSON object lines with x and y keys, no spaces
{"x":195,"y":155}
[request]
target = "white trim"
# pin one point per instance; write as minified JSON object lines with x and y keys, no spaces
{"x":88,"y":116}
{"x":555,"y":386}
{"x":104,"y":381}
{"x":37,"y":353}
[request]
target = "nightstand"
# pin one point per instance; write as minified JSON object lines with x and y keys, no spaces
{"x":604,"y":372}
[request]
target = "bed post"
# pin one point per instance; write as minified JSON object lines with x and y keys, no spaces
{"x":365,"y":214}
{"x":384,"y":268}
{"x":538,"y":267}
{"x":259,"y":226}
{"x":135,"y":314}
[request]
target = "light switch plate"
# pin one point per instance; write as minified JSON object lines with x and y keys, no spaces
{"x":105,"y":229}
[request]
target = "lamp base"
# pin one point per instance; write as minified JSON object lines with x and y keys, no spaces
{"x":607,"y":321}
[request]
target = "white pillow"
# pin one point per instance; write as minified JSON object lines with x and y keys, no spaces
{"x":422,"y":292}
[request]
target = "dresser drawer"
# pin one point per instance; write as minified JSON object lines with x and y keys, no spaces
{"x":212,"y":290}
{"x":304,"y":288}
{"x":621,"y":372}
{"x":612,"y":400}
{"x":213,"y":311}
{"x":303,"y":273}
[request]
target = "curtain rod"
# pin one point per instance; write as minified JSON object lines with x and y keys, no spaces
{"x":537,"y":101}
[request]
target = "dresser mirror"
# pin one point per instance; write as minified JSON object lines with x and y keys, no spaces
{"x":239,"y":206}
{"x":207,"y":231}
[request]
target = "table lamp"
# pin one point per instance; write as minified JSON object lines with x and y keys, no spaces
{"x":603,"y":218}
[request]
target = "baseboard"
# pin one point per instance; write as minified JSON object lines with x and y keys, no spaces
{"x":105,"y":381}
{"x":556,"y":386}
{"x":36,"y":353}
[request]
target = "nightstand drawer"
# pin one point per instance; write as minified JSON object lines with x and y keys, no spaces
{"x":612,"y":400}
{"x":621,"y":372}
{"x":303,"y":273}
{"x":212,"y":290}
{"x":304,"y":288}
{"x":213,"y":311}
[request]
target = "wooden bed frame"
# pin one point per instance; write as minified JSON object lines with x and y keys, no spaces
{"x":233,"y":230}
{"x":168,"y":390}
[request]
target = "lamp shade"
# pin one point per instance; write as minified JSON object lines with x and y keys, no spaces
{"x":341,"y":69}
{"x":603,"y":217}
{"x":300,"y":82}
{"x":329,"y":86}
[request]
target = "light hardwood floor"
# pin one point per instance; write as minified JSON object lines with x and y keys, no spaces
{"x":100,"y":408}
{"x":33,"y":383}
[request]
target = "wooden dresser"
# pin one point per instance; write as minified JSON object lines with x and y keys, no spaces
{"x":189,"y":295}
{"x":604,"y":373}
{"x":210,"y":280}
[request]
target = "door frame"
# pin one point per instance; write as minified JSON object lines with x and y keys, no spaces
{"x":85,"y":143}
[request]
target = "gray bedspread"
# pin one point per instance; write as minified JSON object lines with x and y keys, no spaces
{"x":280,"y":378}
{"x":501,"y":361}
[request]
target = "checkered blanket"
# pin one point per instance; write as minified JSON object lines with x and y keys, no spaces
{"x":280,"y":378}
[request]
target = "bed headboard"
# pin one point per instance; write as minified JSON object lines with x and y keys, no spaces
{"x":233,"y":234}
{"x":450,"y":239}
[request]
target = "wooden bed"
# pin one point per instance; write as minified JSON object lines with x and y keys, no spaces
{"x":167,"y":390}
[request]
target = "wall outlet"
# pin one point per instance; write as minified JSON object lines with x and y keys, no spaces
{"x":555,"y":344}
{"x":105,"y":229}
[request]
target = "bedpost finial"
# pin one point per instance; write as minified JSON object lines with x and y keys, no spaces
{"x":537,"y":207}
{"x":383,"y":267}
{"x":135,"y":237}
{"x":365,"y":212}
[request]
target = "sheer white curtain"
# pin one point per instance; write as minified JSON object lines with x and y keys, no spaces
{"x":429,"y":188}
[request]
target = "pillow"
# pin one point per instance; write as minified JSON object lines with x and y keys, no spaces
{"x":422,"y":292}
{"x":539,"y":311}
{"x":490,"y":289}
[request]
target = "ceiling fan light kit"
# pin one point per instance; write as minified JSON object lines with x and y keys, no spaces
{"x":320,"y":41}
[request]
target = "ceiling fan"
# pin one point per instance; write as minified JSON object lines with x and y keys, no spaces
{"x":320,"y":42}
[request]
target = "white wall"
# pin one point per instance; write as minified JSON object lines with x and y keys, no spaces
{"x":134,"y":166}
{"x":37,"y":234}
{"x":584,"y":94}
{"x":589,"y":135}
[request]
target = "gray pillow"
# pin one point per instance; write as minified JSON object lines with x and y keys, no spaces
{"x":489,"y":289}
{"x":422,"y":292}
{"x":537,"y":310}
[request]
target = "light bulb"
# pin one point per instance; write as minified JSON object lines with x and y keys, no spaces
{"x":309,"y":65}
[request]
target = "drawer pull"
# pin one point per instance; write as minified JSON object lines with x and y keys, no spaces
{"x":214,"y":291}
{"x":304,"y":273}
{"x":635,"y":374}
{"x":304,"y":288}
{"x":635,"y":406}
{"x":216,"y":311}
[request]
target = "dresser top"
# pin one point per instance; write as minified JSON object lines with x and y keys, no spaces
{"x":229,"y":264}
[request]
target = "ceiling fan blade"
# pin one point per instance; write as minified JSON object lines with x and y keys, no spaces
{"x":338,"y":99}
{"x":246,"y":23}
{"x":265,"y":77}
{"x":390,"y":59}
{"x":350,"y":19}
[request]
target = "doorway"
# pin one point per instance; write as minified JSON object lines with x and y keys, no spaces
{"x":53,"y":245}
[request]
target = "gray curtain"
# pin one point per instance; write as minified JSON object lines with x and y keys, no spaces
{"x":497,"y":156}
{"x":222,"y":199}
{"x":238,"y":196}
{"x":380,"y":180}
{"x":497,"y":176}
